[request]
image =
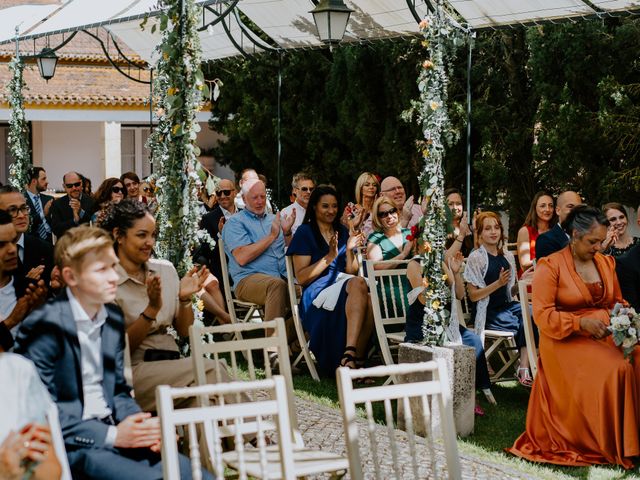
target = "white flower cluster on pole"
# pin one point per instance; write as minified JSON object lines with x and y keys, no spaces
{"x":18,"y":128}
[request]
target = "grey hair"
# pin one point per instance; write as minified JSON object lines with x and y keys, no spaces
{"x":581,"y":219}
{"x":298,"y":177}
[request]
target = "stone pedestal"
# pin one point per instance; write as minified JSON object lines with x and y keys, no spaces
{"x":461,"y":367}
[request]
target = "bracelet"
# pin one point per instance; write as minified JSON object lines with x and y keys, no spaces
{"x":457,"y":240}
{"x":287,"y":234}
{"x":147,"y":317}
{"x":184,"y":302}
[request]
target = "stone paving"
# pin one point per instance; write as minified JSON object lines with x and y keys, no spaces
{"x":321,"y":427}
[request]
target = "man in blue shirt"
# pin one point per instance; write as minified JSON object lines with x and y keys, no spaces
{"x":254,"y":241}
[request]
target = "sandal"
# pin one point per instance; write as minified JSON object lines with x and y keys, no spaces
{"x":348,"y":358}
{"x":524,"y":377}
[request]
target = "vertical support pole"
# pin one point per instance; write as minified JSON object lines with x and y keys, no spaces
{"x":278,"y":131}
{"x":151,"y":116}
{"x":472,"y":36}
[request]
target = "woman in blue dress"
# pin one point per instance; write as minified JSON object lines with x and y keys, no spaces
{"x":335,"y":307}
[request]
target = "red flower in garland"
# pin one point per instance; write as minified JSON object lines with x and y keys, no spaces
{"x":414,"y":233}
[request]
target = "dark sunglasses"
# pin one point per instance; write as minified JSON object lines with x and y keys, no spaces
{"x":73,"y":185}
{"x":386,"y":213}
{"x":117,"y":189}
{"x":306,"y":189}
{"x":223,"y":193}
{"x":146,"y":189}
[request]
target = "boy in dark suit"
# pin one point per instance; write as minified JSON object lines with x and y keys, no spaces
{"x":76,"y":342}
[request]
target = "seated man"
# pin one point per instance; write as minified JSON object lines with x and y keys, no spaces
{"x":410,"y":213}
{"x":254,"y":241}
{"x":35,"y":256}
{"x":76,"y":342}
{"x":556,"y":238}
{"x":72,"y":209}
{"x":17,"y":299}
{"x":302,"y":185}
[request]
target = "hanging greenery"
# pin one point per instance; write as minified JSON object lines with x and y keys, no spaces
{"x":179,"y":90}
{"x":440,"y":40}
{"x":18,"y":128}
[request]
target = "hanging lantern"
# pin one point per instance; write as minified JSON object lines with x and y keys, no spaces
{"x":331,"y":18}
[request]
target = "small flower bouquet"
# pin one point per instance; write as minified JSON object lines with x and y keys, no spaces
{"x":625,"y":327}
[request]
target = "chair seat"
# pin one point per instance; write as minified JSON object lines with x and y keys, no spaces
{"x":498,"y":333}
{"x":397,"y":337}
{"x":306,"y":461}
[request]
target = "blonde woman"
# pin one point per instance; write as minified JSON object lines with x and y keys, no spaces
{"x":358,"y":216}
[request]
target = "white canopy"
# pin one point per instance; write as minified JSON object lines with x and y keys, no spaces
{"x":287,"y":23}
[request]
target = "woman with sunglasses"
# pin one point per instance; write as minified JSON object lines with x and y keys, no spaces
{"x":358,"y":216}
{"x":335,"y":307}
{"x":110,"y":191}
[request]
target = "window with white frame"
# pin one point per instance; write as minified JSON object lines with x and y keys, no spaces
{"x":6,"y":159}
{"x":135,"y":155}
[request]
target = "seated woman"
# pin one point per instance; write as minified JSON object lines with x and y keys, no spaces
{"x":358,"y":216}
{"x":415,"y":318}
{"x":541,"y":217}
{"x":335,"y":308}
{"x":111,"y":190}
{"x":584,"y":406}
{"x":153,"y":300}
{"x":619,"y":241}
{"x":491,"y":282}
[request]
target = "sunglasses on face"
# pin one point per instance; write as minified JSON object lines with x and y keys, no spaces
{"x":386,"y":213}
{"x":147,"y":189}
{"x":117,"y":189}
{"x":306,"y":189}
{"x":15,"y":211}
{"x":223,"y":193}
{"x":73,"y":185}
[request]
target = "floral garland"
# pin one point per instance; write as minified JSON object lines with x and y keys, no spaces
{"x":179,"y":90}
{"x":440,"y":39}
{"x":18,"y":128}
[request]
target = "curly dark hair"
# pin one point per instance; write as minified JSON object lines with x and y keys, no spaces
{"x":310,"y":215}
{"x":102,"y":196}
{"x":123,"y":215}
{"x":582,"y":218}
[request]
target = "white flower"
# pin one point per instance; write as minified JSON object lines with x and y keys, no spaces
{"x":621,"y":322}
{"x":629,"y":342}
{"x":632,"y":331}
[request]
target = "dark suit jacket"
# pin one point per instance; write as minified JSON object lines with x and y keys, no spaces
{"x":36,"y":252}
{"x":35,"y":218}
{"x":628,"y":270}
{"x":551,"y":241}
{"x":204,"y":253}
{"x":49,"y":338}
{"x":61,"y":215}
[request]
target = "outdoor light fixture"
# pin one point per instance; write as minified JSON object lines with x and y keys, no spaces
{"x":331,"y":18}
{"x":47,"y":61}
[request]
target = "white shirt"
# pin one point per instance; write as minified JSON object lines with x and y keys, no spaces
{"x":90,"y":339}
{"x":35,"y":198}
{"x":20,"y":245}
{"x":300,"y":213}
{"x":227,"y":214}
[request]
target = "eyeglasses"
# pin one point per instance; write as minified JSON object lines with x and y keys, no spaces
{"x":394,"y":189}
{"x":117,"y":189}
{"x":386,"y":213}
{"x":73,"y":185}
{"x":15,"y":211}
{"x":306,"y":189}
{"x":223,"y":193}
{"x":147,"y":189}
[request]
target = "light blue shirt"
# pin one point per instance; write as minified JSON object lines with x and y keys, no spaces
{"x":245,"y":228}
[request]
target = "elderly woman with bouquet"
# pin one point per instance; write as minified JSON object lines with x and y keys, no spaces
{"x":584,"y":407}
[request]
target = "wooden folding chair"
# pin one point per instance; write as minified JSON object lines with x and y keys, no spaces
{"x":266,"y":347}
{"x":422,"y":396}
{"x":239,"y":311}
{"x":389,"y":309}
{"x":525,"y":304}
{"x":500,"y":346}
{"x":262,"y":417}
{"x":302,"y":339}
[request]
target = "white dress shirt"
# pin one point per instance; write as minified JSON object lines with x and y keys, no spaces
{"x":20,"y":245}
{"x":300,"y":213}
{"x":90,"y":339}
{"x":8,"y":302}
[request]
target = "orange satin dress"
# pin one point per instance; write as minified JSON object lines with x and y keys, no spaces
{"x":584,"y":406}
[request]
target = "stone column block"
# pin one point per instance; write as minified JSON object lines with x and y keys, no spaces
{"x":461,"y":368}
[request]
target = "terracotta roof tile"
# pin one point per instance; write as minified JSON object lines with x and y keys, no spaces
{"x":75,"y":85}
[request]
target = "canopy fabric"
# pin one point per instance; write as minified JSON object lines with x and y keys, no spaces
{"x":288,"y":23}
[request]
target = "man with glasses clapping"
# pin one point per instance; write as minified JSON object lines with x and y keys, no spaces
{"x":73,"y":209}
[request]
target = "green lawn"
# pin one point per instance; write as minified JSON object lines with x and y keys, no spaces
{"x":496,"y":430}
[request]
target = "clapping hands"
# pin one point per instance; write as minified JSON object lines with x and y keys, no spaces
{"x":192,"y":282}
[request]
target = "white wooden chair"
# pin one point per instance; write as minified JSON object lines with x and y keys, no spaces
{"x":525,"y":305}
{"x":239,"y":311}
{"x":500,"y":346}
{"x":265,"y":417}
{"x":423,"y":395}
{"x":304,"y":459}
{"x":58,"y":441}
{"x":389,"y":310}
{"x":302,"y":339}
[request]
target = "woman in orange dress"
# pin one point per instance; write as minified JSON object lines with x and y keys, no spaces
{"x":584,"y":405}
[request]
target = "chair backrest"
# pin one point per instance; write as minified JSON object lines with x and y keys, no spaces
{"x":259,"y":417}
{"x":58,"y":441}
{"x":524,"y":293}
{"x":388,"y":288}
{"x":421,"y":395}
{"x":294,"y":298}
{"x":237,"y":349}
{"x":224,"y":269}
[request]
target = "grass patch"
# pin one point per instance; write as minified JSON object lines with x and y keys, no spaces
{"x":498,"y":429}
